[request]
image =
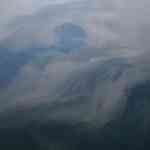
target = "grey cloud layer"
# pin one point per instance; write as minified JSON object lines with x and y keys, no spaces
{"x":38,"y":28}
{"x":115,"y":24}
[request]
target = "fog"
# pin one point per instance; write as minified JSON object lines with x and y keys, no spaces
{"x":115,"y":44}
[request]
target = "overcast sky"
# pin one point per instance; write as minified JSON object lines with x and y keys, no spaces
{"x":10,"y":9}
{"x":124,"y":21}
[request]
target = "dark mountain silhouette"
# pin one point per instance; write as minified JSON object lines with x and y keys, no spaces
{"x":128,"y":131}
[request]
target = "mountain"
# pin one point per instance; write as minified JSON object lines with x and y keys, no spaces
{"x":80,"y":117}
{"x":68,"y":122}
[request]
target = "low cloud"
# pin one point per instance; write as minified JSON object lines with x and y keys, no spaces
{"x":114,"y":58}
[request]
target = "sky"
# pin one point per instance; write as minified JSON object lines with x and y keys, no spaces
{"x":106,"y":21}
{"x":23,"y":7}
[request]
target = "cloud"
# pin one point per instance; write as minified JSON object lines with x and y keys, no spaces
{"x":38,"y":27}
{"x":116,"y":32}
{"x":23,"y":7}
{"x":116,"y":24}
{"x":134,"y":24}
